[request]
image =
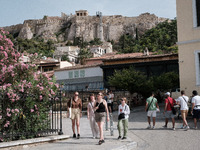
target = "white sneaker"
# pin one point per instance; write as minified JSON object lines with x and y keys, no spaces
{"x":183,"y":127}
{"x":186,"y":128}
{"x":173,"y":129}
{"x":149,"y":127}
{"x":153,"y":127}
{"x":195,"y":128}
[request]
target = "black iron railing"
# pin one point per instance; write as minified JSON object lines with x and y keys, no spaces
{"x":23,"y":126}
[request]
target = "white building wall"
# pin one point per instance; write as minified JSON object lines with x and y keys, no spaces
{"x":89,"y":72}
{"x":65,"y":64}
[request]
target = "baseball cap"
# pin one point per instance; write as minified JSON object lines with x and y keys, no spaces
{"x":167,"y":93}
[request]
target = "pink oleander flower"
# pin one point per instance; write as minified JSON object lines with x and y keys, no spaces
{"x":45,"y":75}
{"x":12,"y":74}
{"x":32,"y":110}
{"x":36,"y":54}
{"x":6,"y":55}
{"x":51,"y":83}
{"x":7,"y":124}
{"x":40,"y":97}
{"x":17,"y":98}
{"x":13,"y":100}
{"x":52,"y":92}
{"x":8,"y":110}
{"x":4,"y":87}
{"x":10,"y":68}
{"x":8,"y":85}
{"x":8,"y":114}
{"x":22,"y":88}
{"x":16,"y":110}
{"x":0,"y":117}
{"x":29,"y":84}
{"x":8,"y":95}
{"x":57,"y":85}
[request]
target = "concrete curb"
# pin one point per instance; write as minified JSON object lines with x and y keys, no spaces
{"x":33,"y":141}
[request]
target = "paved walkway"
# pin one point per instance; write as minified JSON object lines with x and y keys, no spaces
{"x":85,"y":142}
{"x":139,"y":138}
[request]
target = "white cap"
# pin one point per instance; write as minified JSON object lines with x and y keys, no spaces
{"x":167,"y":93}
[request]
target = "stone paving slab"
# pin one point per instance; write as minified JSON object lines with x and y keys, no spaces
{"x":66,"y":142}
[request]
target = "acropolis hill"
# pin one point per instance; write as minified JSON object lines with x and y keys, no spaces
{"x":82,"y":25}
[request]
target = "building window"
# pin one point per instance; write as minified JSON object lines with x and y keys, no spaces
{"x":82,"y":73}
{"x":196,"y":13}
{"x":197,"y":65}
{"x":76,"y":74}
{"x":48,"y":69}
{"x":70,"y":75}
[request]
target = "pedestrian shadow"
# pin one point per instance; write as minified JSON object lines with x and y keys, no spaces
{"x":150,"y":129}
{"x":83,"y":137}
{"x":79,"y":141}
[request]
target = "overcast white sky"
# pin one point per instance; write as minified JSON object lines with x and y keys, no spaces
{"x":16,"y":11}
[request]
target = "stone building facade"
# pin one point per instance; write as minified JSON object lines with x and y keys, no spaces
{"x":188,"y":23}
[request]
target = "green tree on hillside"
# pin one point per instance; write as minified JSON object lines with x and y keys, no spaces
{"x":35,"y":45}
{"x":83,"y":55}
{"x":160,"y":39}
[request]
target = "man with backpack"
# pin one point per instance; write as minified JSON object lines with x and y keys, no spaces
{"x":169,"y":104}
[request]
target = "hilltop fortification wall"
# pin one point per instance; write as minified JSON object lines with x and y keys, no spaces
{"x":67,"y":27}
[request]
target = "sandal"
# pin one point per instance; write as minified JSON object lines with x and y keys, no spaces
{"x":100,"y":142}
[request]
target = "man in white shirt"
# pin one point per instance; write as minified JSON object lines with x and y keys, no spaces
{"x":183,"y":102}
{"x":195,"y":107}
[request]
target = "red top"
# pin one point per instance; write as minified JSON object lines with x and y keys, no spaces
{"x":172,"y":101}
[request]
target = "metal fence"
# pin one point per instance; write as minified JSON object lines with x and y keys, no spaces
{"x":51,"y":122}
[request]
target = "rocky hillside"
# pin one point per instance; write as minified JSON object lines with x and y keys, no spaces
{"x":67,"y":27}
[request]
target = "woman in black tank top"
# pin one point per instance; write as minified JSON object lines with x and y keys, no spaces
{"x":101,"y":107}
{"x":100,"y":114}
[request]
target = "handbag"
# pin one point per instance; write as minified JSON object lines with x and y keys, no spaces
{"x":70,"y":110}
{"x":122,"y":115}
{"x":173,"y":109}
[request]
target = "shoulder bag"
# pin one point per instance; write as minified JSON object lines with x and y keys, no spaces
{"x":184,"y":99}
{"x":122,"y":115}
{"x":172,"y":107}
{"x":149,"y":104}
